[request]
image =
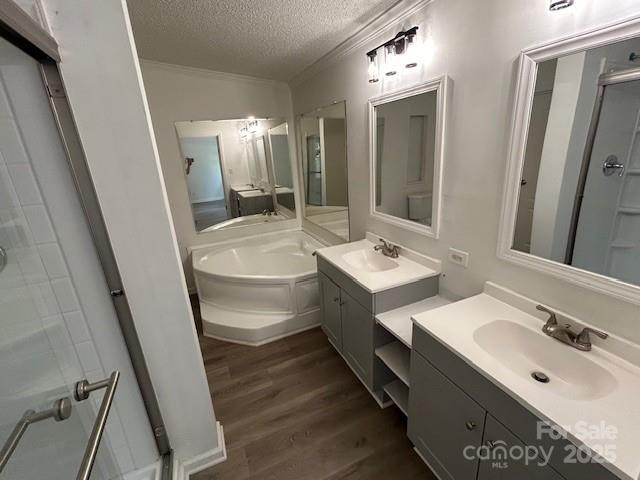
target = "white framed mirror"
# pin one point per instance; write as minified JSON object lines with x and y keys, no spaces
{"x":406,"y":153}
{"x":572,"y":194}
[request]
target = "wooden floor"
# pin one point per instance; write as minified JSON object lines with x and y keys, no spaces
{"x":293,"y":410}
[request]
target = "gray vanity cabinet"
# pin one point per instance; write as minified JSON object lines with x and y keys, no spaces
{"x":357,"y":337}
{"x":507,"y":419}
{"x":331,"y":319}
{"x":443,"y":421}
{"x":499,"y":466}
{"x":347,"y":312}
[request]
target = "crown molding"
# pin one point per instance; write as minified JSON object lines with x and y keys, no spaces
{"x":236,"y":77}
{"x":384,"y":22}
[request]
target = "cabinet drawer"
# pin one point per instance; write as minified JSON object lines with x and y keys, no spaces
{"x":443,"y":422}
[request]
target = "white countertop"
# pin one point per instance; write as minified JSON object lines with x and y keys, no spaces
{"x":454,"y":326}
{"x":407,"y":271}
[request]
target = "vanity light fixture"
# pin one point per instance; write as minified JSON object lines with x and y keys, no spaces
{"x":401,"y":50}
{"x":559,"y":4}
{"x":244,"y":131}
{"x":252,"y":125}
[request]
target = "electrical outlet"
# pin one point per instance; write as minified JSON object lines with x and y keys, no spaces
{"x":459,"y":257}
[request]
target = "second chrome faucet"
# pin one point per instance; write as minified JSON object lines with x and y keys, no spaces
{"x":387,"y":249}
{"x":563,"y":333}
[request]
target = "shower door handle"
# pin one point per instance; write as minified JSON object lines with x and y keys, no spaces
{"x":3,"y":258}
{"x":610,"y":165}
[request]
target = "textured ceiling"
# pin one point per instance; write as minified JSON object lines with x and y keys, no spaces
{"x":274,"y":39}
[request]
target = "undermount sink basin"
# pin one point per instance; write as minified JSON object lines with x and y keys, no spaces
{"x":524,"y":351}
{"x":369,"y":261}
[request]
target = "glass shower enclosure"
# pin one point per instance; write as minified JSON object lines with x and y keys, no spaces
{"x":62,"y":353}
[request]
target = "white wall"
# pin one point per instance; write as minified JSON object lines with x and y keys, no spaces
{"x":205,"y":172}
{"x":180,"y":93}
{"x":104,"y":86}
{"x":477,"y":44}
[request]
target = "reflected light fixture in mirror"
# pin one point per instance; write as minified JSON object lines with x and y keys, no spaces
{"x":559,"y":4}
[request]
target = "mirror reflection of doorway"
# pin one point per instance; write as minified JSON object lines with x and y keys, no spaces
{"x":205,"y":178}
{"x":314,"y":170}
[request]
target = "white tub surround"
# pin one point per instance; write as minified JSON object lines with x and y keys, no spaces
{"x":498,"y":333}
{"x":375,"y":272}
{"x":258,"y":289}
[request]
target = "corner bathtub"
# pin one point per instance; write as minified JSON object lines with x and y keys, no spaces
{"x":257,"y":290}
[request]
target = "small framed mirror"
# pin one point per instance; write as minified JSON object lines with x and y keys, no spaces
{"x":572,"y":197}
{"x":406,"y":145}
{"x":238,"y":172}
{"x":323,"y":157}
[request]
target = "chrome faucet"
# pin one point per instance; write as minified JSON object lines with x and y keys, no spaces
{"x":563,"y":333}
{"x":387,"y":249}
{"x":266,"y":212}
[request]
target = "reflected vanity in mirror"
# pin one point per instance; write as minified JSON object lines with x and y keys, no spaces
{"x":323,"y":142}
{"x":406,"y":154}
{"x":238,"y":172}
{"x":572,"y":201}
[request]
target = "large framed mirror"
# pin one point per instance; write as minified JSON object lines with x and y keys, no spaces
{"x":572,"y":197}
{"x":406,"y":148}
{"x":238,"y":171}
{"x":323,"y":158}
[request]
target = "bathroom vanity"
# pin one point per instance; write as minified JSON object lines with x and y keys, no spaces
{"x":484,"y":379}
{"x":357,"y":284}
{"x":487,"y":394}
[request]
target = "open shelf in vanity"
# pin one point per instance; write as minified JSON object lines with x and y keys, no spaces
{"x":395,"y":356}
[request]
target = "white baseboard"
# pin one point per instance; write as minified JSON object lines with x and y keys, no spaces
{"x":150,"y":472}
{"x":183,"y":469}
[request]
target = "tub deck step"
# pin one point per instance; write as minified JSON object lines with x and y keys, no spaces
{"x":250,"y":328}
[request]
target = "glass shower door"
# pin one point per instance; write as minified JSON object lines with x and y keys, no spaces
{"x":40,"y":360}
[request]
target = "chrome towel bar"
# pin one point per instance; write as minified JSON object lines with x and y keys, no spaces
{"x":83,"y":390}
{"x":61,"y":410}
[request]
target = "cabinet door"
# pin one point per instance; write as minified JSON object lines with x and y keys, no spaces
{"x":501,"y":459}
{"x":357,"y":337}
{"x":444,"y":422}
{"x":330,"y":310}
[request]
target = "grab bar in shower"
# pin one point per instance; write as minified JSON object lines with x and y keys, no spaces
{"x":83,"y":390}
{"x":61,"y":410}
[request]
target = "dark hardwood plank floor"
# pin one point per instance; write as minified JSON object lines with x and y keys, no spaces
{"x":293,"y":410}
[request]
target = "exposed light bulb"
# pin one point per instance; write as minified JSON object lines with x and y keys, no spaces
{"x":410,"y":51}
{"x":374,"y":68}
{"x":390,"y":59}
